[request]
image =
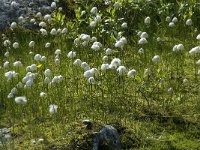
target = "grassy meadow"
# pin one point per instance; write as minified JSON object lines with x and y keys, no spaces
{"x":134,"y":65}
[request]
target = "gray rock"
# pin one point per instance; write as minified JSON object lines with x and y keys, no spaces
{"x":25,"y":8}
{"x":108,"y":135}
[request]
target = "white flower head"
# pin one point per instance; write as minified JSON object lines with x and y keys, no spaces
{"x":53,"y":31}
{"x":171,"y":24}
{"x":124,"y":25}
{"x":108,"y":51}
{"x":47,"y":45}
{"x":47,"y":72}
{"x":195,"y":50}
{"x":147,"y":20}
{"x":144,"y":35}
{"x":17,"y":64}
{"x":77,"y":62}
{"x":132,"y":73}
{"x":71,"y":54}
{"x":168,"y":19}
{"x":13,"y":25}
{"x":94,"y":10}
{"x":21,"y":100}
{"x":121,"y":70}
{"x":115,"y":62}
{"x":91,"y":80}
{"x":42,"y":94}
{"x":15,"y":45}
{"x":53,"y":109}
{"x":142,"y":41}
{"x":189,"y":22}
{"x":175,"y":20}
{"x":31,"y":44}
{"x":58,"y":52}
{"x":198,"y":37}
{"x":156,"y":58}
{"x":37,"y":57}
{"x":104,"y":66}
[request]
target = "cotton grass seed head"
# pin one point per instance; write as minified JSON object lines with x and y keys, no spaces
{"x":21,"y":100}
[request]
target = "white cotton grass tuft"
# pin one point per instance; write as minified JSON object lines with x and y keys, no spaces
{"x":15,"y":45}
{"x":104,"y":66}
{"x":21,"y":100}
{"x":42,"y":94}
{"x":53,"y":108}
{"x":156,"y":58}
{"x":198,"y":37}
{"x":47,"y":72}
{"x":77,"y":62}
{"x":115,"y":63}
{"x":142,"y":41}
{"x":147,"y":20}
{"x":195,"y":50}
{"x":31,"y":44}
{"x":71,"y":54}
{"x":132,"y":73}
{"x":121,"y":70}
{"x":189,"y":22}
{"x":7,"y":54}
{"x":91,"y":80}
{"x":17,"y":64}
{"x":178,"y":47}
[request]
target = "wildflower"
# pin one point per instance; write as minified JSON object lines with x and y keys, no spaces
{"x":47,"y":72}
{"x":132,"y":73}
{"x":92,"y":24}
{"x":124,"y":25}
{"x":10,"y":74}
{"x":17,"y":64}
{"x":33,"y":141}
{"x":13,"y":25}
{"x":168,"y":19}
{"x":158,"y":39}
{"x":40,"y":140}
{"x":115,"y":62}
{"x":43,"y":58}
{"x":185,"y":81}
{"x":31,"y":44}
{"x":71,"y":54}
{"x":198,"y":37}
{"x":42,"y":94}
{"x":85,"y":66}
{"x":108,"y":51}
{"x":105,"y":58}
{"x":33,"y":67}
{"x":175,"y":20}
{"x":42,"y":24}
{"x":189,"y":22}
{"x":14,"y":4}
{"x":58,"y":52}
{"x":195,"y":50}
{"x":39,"y":14}
{"x":96,"y":46}
{"x":94,"y":10}
{"x":13,"y":90}
{"x":120,"y":44}
{"x":142,"y":41}
{"x":43,"y":31}
{"x":198,"y":62}
{"x":53,"y":108}
{"x":37,"y":57}
{"x":104,"y":66}
{"x":147,"y":20}
{"x":21,"y":100}
{"x":121,"y":70}
{"x":53,"y":31}
{"x":87,"y":74}
{"x":141,"y":51}
{"x":53,"y":5}
{"x":94,"y":71}
{"x":10,"y":95}
{"x":6,"y":43}
{"x":64,"y":31}
{"x":6,"y":64}
{"x":15,"y":45}
{"x":33,"y":21}
{"x":171,"y":24}
{"x":83,"y":12}
{"x":144,"y":35}
{"x":91,"y":80}
{"x":47,"y":45}
{"x":77,"y":62}
{"x":156,"y":58}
